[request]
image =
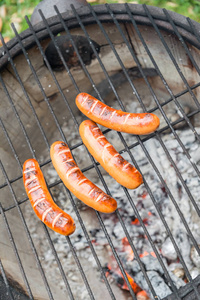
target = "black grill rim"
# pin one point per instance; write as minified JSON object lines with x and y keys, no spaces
{"x":182,"y":23}
{"x":188,"y":288}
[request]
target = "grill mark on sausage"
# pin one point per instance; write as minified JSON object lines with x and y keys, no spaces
{"x":124,"y":167}
{"x":38,"y":201}
{"x":63,"y":151}
{"x":99,"y":197}
{"x":113,"y":113}
{"x":95,"y":128}
{"x":68,"y":160}
{"x":29,"y":170}
{"x":56,"y":219}
{"x":104,"y":148}
{"x":84,"y":99}
{"x":29,"y":180}
{"x":45,"y":213}
{"x":35,"y":188}
{"x":83,"y":180}
{"x":71,"y":171}
{"x":93,"y":106}
{"x":102,"y":111}
{"x":91,"y":191}
{"x":126,"y":118}
{"x":100,"y":137}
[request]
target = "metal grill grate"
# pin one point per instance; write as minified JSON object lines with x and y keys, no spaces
{"x":8,"y":183}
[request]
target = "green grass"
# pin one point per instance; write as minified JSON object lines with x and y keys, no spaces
{"x":17,"y":9}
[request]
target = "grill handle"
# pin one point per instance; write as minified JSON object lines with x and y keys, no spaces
{"x":47,"y":7}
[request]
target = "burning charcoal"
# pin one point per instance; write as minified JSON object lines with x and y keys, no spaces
{"x":142,"y":296}
{"x":168,"y":250}
{"x":155,"y":274}
{"x":195,"y":257}
{"x":69,"y":53}
{"x":117,"y":275}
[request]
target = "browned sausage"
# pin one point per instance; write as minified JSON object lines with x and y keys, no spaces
{"x":97,"y":144}
{"x":76,"y":182}
{"x":141,"y":123}
{"x":44,"y":206}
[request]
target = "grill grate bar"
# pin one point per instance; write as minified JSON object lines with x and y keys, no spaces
{"x":98,"y":263}
{"x":191,"y":92}
{"x":136,"y":255}
{"x":118,"y":260}
{"x":42,"y":90}
{"x":27,"y":98}
{"x":133,"y":248}
{"x":6,"y":281}
{"x":90,"y":244}
{"x":160,"y":140}
{"x":70,"y":294}
{"x":121,"y":151}
{"x":155,"y":98}
{"x":171,"y":236}
{"x":10,"y":143}
{"x":185,"y":267}
{"x":80,"y":268}
{"x":27,"y":138}
{"x":165,"y":149}
{"x":99,"y":173}
{"x":50,"y":69}
{"x":164,"y":82}
{"x":92,"y":166}
{"x":95,"y":165}
{"x":16,"y":113}
{"x":181,"y":40}
{"x":185,"y":150}
{"x":76,"y":258}
{"x":171,"y":56}
{"x":15,"y":250}
{"x":115,"y":254}
{"x":27,"y":232}
{"x":80,"y":23}
{"x":140,"y":143}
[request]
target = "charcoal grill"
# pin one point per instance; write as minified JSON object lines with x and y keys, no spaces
{"x":157,"y":46}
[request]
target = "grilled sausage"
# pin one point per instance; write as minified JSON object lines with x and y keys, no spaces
{"x":76,"y":182}
{"x":97,"y":144}
{"x":140,"y":124}
{"x":44,"y":206}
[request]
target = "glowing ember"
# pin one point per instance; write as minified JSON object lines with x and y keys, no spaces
{"x":142,"y":296}
{"x":117,"y":275}
{"x":145,"y":253}
{"x":127,"y":248}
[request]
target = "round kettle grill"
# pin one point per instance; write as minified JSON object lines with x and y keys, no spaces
{"x":122,"y":54}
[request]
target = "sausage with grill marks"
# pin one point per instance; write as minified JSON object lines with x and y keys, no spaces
{"x":134,"y":123}
{"x":44,"y":206}
{"x":76,"y":182}
{"x":97,"y":144}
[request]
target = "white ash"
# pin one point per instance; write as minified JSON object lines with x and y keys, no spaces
{"x":195,"y":257}
{"x":155,"y":274}
{"x":143,"y":203}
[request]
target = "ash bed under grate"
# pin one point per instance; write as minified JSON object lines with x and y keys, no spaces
{"x":140,"y":59}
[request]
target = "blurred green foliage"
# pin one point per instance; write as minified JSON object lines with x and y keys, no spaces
{"x":13,"y":11}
